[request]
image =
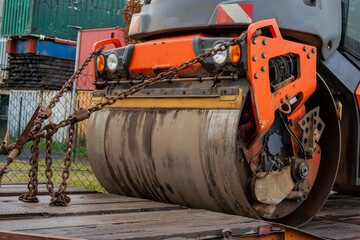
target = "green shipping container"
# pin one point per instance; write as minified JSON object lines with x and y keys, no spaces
{"x":51,"y":17}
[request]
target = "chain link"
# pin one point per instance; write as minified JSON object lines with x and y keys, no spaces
{"x":164,"y":75}
{"x":32,"y":185}
{"x":60,"y":198}
{"x":3,"y":170}
{"x":37,"y":132}
{"x":48,"y":162}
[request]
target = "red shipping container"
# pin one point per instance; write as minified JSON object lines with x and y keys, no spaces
{"x":87,"y":39}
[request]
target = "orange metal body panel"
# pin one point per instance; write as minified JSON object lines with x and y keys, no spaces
{"x":265,"y":103}
{"x":152,"y":57}
{"x":357,"y":93}
{"x":114,"y":41}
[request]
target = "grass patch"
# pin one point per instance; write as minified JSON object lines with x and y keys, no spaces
{"x":80,"y":174}
{"x":59,"y":147}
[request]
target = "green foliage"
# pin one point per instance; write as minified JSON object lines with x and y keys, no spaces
{"x":80,"y":175}
{"x":60,"y":147}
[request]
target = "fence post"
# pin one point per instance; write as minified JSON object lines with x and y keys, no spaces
{"x":76,"y":131}
{"x":19,"y":122}
{"x":78,"y":28}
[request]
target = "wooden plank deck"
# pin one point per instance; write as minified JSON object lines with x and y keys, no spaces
{"x":92,"y":215}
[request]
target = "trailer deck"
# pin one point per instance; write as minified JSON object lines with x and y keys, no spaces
{"x":92,"y":215}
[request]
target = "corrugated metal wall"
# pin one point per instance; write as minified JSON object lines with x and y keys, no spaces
{"x":61,"y":111}
{"x":51,"y":18}
{"x":22,"y":104}
{"x":16,"y":17}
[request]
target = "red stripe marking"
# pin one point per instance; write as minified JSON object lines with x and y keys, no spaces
{"x":135,"y":28}
{"x":223,"y":17}
{"x":248,"y":8}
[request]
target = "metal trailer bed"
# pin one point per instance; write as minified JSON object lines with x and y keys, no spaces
{"x":92,"y":215}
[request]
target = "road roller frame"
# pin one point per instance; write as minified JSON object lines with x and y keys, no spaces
{"x":172,"y":37}
{"x":260,"y":50}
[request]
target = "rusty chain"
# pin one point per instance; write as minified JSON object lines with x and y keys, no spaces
{"x":47,"y":131}
{"x":48,"y":163}
{"x":44,"y":114}
{"x":32,"y":185}
{"x":60,"y":198}
{"x":4,"y":149}
{"x":83,"y":114}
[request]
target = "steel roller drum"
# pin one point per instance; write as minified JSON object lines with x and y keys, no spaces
{"x":192,"y":157}
{"x":186,"y":157}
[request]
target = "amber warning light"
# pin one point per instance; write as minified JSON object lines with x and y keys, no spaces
{"x":100,"y":63}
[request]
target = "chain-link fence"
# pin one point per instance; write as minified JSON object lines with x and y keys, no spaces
{"x":30,"y":81}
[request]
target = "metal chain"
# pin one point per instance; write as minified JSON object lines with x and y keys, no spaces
{"x":3,"y":170}
{"x":60,"y":198}
{"x":82,"y":114}
{"x":4,"y":149}
{"x":69,"y":84}
{"x":48,"y":162}
{"x":32,"y":185}
{"x":37,"y":132}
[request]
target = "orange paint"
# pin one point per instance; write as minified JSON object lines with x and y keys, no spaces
{"x":265,"y":103}
{"x":357,"y":93}
{"x":153,"y":57}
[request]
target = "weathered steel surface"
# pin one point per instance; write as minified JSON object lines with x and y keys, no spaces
{"x":106,"y":216}
{"x":161,"y":223}
{"x":338,"y":219}
{"x":7,"y":235}
{"x":7,"y":209}
{"x":186,"y":157}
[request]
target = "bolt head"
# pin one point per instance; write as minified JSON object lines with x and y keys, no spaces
{"x":282,"y":100}
{"x":265,"y":42}
{"x":256,"y":75}
{"x":264,"y":55}
{"x":263,"y":68}
{"x":254,"y":41}
{"x":304,"y":170}
{"x":287,"y":96}
{"x":254,"y":58}
{"x":313,"y":50}
{"x":309,"y":56}
{"x":305,"y":48}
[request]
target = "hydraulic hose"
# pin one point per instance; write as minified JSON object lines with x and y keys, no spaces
{"x":292,"y":134}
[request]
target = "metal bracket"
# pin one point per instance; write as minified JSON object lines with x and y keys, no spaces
{"x":312,"y":127}
{"x":227,"y":100}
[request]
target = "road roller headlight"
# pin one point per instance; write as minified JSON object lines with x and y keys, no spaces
{"x":220,"y":56}
{"x":100,"y":63}
{"x":112,"y":62}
